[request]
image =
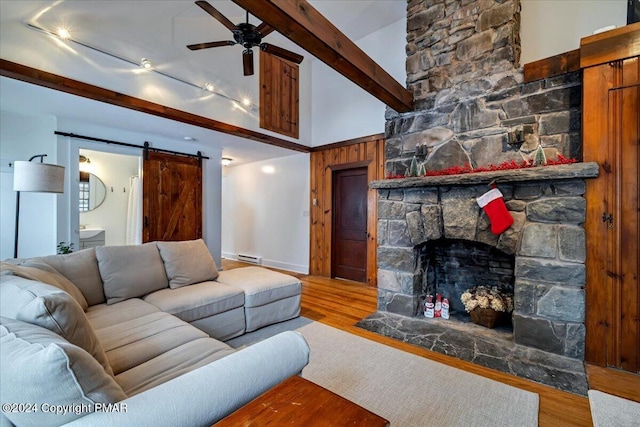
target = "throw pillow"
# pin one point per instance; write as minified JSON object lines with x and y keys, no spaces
{"x":39,"y":367}
{"x":130,"y":271}
{"x":187,"y":262}
{"x":51,"y":308}
{"x":41,"y":272}
{"x":82,"y":269}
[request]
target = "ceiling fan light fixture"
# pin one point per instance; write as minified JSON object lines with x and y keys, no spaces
{"x":247,"y":62}
{"x":145,"y":63}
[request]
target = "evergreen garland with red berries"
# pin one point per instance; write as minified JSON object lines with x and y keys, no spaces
{"x":509,"y":165}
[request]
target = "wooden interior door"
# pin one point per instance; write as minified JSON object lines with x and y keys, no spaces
{"x":611,"y":134}
{"x":172,"y":197}
{"x":349,"y":250}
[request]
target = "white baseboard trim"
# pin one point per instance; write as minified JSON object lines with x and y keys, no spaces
{"x":229,"y":255}
{"x":302,"y":269}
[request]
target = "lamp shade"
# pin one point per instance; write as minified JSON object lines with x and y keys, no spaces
{"x":38,"y":177}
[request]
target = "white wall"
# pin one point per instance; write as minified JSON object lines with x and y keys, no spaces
{"x":340,"y":109}
{"x":115,"y":171}
{"x":22,"y":136}
{"x":551,"y":27}
{"x":267,"y":214}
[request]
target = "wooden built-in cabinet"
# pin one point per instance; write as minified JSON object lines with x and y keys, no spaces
{"x":611,"y":137}
{"x":279,"y":95}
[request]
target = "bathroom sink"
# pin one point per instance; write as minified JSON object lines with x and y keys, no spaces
{"x":90,"y":232}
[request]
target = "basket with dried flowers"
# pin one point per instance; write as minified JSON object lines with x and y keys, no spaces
{"x":487,"y":305}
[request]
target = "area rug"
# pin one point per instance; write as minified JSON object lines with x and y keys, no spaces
{"x":613,"y":411}
{"x":406,"y":389}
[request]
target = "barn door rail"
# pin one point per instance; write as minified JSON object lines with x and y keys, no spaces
{"x":144,"y":147}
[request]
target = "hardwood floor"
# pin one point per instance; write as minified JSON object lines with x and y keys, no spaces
{"x":342,"y":303}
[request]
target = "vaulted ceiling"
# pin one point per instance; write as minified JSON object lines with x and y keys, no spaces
{"x":159,"y":31}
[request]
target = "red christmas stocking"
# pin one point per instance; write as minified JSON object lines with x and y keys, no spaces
{"x":493,"y":204}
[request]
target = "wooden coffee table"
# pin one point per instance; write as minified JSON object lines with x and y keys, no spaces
{"x":298,"y":402}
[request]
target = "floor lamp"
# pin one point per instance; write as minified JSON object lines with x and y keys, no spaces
{"x":37,"y":178}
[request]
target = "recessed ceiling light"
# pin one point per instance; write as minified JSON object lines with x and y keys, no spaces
{"x":189,"y":138}
{"x":226,"y":161}
{"x":63,"y":33}
{"x":145,"y":63}
{"x":209,"y":87}
{"x":246,"y":101}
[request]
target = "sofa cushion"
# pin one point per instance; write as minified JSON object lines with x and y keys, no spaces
{"x":81,"y":268}
{"x":51,"y":308}
{"x":103,"y":315}
{"x":260,"y":285}
{"x":39,"y":367}
{"x":171,"y":364}
{"x":187,"y":262}
{"x":131,"y":343}
{"x":35,"y":270}
{"x":197,"y":301}
{"x":130,"y":271}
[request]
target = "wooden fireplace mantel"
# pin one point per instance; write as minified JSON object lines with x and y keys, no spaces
{"x":541,"y":173}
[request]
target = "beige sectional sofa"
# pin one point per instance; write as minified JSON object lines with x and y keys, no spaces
{"x":133,"y":335}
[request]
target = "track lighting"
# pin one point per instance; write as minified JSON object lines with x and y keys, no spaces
{"x":63,"y":33}
{"x":145,"y":63}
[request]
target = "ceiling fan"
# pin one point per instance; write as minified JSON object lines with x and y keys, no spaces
{"x":247,"y":35}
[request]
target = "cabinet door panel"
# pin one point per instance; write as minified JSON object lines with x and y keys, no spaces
{"x":596,"y":83}
{"x":627,"y":259}
{"x":611,"y":136}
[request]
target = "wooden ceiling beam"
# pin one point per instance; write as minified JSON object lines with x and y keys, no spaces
{"x":304,"y":25}
{"x":86,"y":90}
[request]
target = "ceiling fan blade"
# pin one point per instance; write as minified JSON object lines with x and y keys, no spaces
{"x":264,"y":29}
{"x":247,"y":62}
{"x":208,"y":45}
{"x":282,"y":53}
{"x":217,"y":15}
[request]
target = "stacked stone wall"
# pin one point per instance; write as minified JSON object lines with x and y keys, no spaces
{"x":463,"y":69}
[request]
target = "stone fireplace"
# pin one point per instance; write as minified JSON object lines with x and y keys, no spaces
{"x":431,"y":232}
{"x":542,"y":254}
{"x":473,"y":110}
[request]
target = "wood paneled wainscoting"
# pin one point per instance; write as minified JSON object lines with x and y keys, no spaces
{"x":357,"y":153}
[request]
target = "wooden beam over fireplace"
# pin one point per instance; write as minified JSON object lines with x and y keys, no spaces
{"x":301,"y":23}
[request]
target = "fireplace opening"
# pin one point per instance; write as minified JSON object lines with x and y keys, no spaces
{"x":449,"y":267}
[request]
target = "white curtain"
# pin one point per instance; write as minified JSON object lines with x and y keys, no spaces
{"x":134,"y":213}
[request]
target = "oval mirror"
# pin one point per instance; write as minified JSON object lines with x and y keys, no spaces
{"x":92,"y":192}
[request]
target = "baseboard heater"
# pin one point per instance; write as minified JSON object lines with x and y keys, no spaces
{"x":250,"y":258}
